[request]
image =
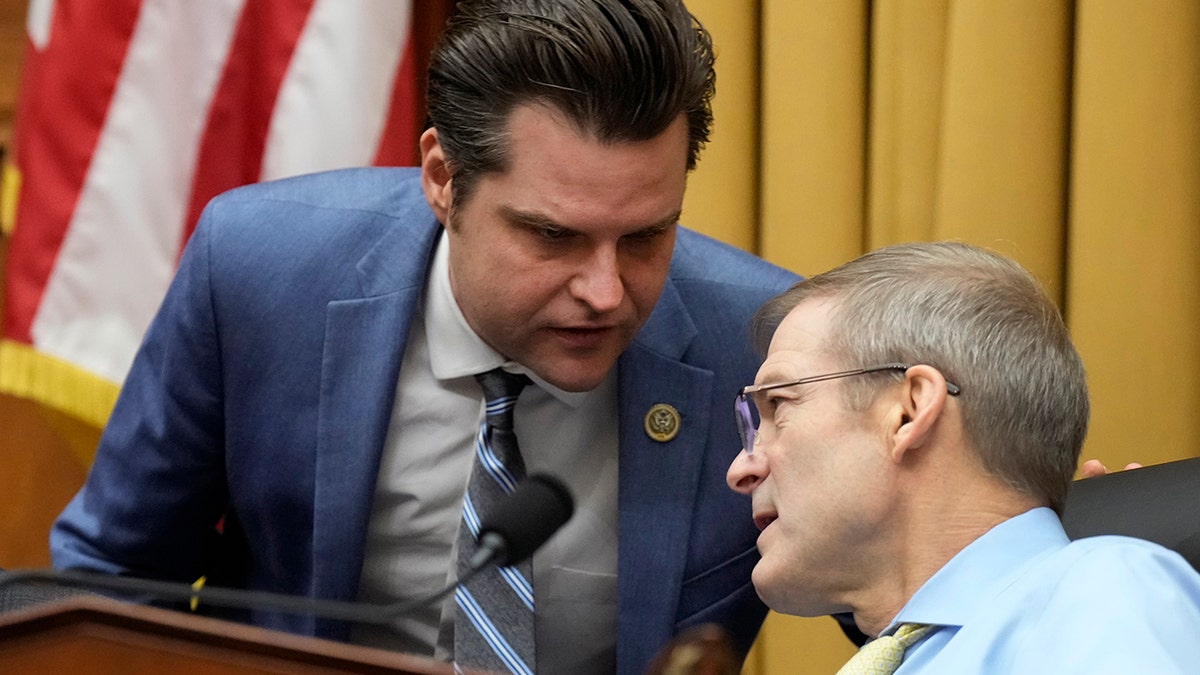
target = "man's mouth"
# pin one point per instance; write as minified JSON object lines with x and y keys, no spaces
{"x":762,"y":520}
{"x":584,"y":336}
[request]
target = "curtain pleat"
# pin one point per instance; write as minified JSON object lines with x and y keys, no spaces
{"x":1133,"y":251}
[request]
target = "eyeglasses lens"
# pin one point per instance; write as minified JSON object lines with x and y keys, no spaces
{"x":747,"y":419}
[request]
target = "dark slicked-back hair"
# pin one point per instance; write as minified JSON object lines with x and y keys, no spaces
{"x":619,"y":70}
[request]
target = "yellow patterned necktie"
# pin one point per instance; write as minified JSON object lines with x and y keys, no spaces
{"x":882,"y":656}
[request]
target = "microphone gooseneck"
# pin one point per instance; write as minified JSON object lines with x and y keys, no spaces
{"x":527,"y":517}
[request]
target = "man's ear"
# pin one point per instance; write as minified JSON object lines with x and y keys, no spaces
{"x":922,"y":404}
{"x":435,"y":175}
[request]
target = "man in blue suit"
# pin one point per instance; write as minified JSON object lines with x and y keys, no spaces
{"x":301,"y":413}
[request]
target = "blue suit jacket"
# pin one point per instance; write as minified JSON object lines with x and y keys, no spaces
{"x":263,"y":391}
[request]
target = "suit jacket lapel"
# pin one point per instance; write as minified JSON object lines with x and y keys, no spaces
{"x":658,"y":480}
{"x":364,"y":344}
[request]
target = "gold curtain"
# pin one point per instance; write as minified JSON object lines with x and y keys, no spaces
{"x":1063,"y":133}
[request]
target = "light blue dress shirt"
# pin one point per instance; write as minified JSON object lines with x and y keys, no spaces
{"x":1025,"y":599}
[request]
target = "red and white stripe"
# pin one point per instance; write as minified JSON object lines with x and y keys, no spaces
{"x":134,"y":113}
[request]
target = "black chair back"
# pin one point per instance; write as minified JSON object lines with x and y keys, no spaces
{"x":1160,"y":503}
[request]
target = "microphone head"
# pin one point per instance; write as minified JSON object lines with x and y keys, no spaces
{"x":528,"y":516}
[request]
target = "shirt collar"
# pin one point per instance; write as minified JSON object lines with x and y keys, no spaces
{"x":966,"y":584}
{"x":455,"y":350}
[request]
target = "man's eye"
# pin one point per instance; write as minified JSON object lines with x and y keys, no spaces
{"x":553,"y":233}
{"x":647,"y":235}
{"x":766,"y":405}
{"x":774,"y":403}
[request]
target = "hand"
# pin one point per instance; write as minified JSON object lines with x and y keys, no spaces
{"x":1094,"y":467}
{"x":700,"y":650}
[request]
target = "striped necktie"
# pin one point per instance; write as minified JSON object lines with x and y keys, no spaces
{"x":493,"y":630}
{"x":882,"y":656}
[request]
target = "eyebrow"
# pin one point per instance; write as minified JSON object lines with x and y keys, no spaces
{"x":772,"y":376}
{"x":530,"y":219}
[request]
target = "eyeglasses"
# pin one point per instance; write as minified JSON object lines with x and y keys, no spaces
{"x":746,"y":410}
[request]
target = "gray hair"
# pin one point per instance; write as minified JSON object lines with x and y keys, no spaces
{"x":621,"y":70}
{"x":987,"y":325}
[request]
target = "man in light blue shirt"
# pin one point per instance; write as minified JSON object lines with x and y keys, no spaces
{"x":909,"y":442}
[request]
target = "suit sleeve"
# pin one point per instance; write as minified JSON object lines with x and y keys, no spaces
{"x":156,"y":490}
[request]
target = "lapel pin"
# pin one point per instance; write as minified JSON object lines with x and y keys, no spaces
{"x":662,"y":422}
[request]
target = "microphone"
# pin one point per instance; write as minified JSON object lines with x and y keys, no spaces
{"x":536,"y":508}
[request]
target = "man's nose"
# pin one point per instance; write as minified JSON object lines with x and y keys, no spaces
{"x":747,"y":472}
{"x":598,"y":281}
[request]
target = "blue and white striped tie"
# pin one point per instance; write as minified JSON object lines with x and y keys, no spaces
{"x":493,"y":630}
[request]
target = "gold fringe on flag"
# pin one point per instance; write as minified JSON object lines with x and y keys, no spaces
{"x":62,"y":387}
{"x":10,"y":187}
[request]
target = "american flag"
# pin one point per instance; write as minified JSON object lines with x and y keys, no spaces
{"x":132,"y":114}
